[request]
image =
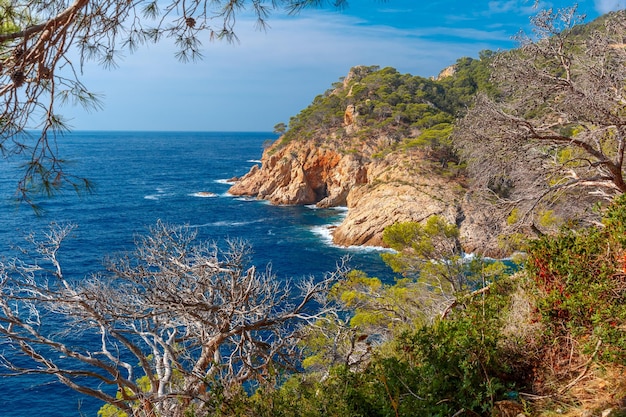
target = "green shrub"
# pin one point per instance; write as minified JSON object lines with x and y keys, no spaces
{"x":456,"y":363}
{"x":581,"y":277}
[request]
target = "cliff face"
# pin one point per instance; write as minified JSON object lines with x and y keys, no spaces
{"x":301,"y":173}
{"x":377,"y":191}
{"x":378,"y":173}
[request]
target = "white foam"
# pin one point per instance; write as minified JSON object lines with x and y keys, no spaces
{"x":203,"y":194}
{"x":254,"y":161}
{"x":161,"y":191}
{"x":336,"y":208}
{"x":325,"y":233}
{"x":223,"y":181}
{"x":371,"y":249}
{"x":225,"y":223}
{"x":245,"y":198}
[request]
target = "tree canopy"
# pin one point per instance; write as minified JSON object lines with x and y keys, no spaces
{"x":412,"y":111}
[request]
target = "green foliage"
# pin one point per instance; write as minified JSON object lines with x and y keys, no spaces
{"x":435,"y":273}
{"x":12,"y":17}
{"x":437,"y":142}
{"x":430,"y":251}
{"x":433,"y":370}
{"x":340,"y":393}
{"x":446,"y":367}
{"x":581,"y":276}
{"x":429,"y":240}
{"x":385,"y":100}
{"x":514,"y":217}
{"x":374,"y":304}
{"x":470,"y":77}
{"x":377,"y":313}
{"x":280,"y":128}
{"x":110,"y":410}
{"x":546,"y":218}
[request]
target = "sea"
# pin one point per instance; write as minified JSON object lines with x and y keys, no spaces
{"x":180,"y":178}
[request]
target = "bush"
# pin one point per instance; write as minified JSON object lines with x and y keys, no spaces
{"x":437,"y":370}
{"x":581,"y":277}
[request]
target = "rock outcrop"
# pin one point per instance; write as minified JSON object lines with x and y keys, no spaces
{"x":446,"y":72}
{"x":301,"y":173}
{"x":350,"y":149}
{"x":377,"y":191}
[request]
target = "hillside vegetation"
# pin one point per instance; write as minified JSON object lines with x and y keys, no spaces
{"x":413,"y":111}
{"x":536,"y":135}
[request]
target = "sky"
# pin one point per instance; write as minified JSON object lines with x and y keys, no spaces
{"x":269,"y":76}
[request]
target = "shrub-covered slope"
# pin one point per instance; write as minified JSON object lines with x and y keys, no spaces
{"x":378,"y":142}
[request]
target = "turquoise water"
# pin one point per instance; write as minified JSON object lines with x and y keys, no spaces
{"x":179,"y":178}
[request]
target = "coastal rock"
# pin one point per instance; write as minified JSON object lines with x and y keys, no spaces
{"x":378,"y":191}
{"x":350,"y":115}
{"x":446,"y":72}
{"x":399,"y":190}
{"x":302,"y":173}
{"x":348,"y":150}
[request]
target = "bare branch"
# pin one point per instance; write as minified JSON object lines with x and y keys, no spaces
{"x":186,"y":311}
{"x":557,"y":126}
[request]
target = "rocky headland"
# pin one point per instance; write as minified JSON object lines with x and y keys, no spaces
{"x":377,"y":191}
{"x":380,"y":171}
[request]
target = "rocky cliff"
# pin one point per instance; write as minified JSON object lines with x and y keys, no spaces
{"x":377,"y":191}
{"x":377,"y":173}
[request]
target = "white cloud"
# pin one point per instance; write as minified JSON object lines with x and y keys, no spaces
{"x":267,"y":77}
{"x":605,"y":6}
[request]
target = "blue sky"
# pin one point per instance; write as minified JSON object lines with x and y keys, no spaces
{"x":270,"y":76}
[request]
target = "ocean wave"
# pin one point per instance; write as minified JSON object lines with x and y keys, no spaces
{"x":223,"y":223}
{"x":161,"y":191}
{"x":243,"y":198}
{"x":227,"y":223}
{"x":249,"y":199}
{"x":203,"y":194}
{"x":325,"y":233}
{"x":225,"y":181}
{"x":336,"y":208}
{"x":255,"y":161}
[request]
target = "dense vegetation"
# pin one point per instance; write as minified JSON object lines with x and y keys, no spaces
{"x":414,"y":111}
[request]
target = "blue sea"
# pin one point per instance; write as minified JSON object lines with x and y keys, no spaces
{"x":179,"y":178}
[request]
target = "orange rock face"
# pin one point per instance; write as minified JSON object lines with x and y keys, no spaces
{"x":302,"y":174}
{"x":377,"y":191}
